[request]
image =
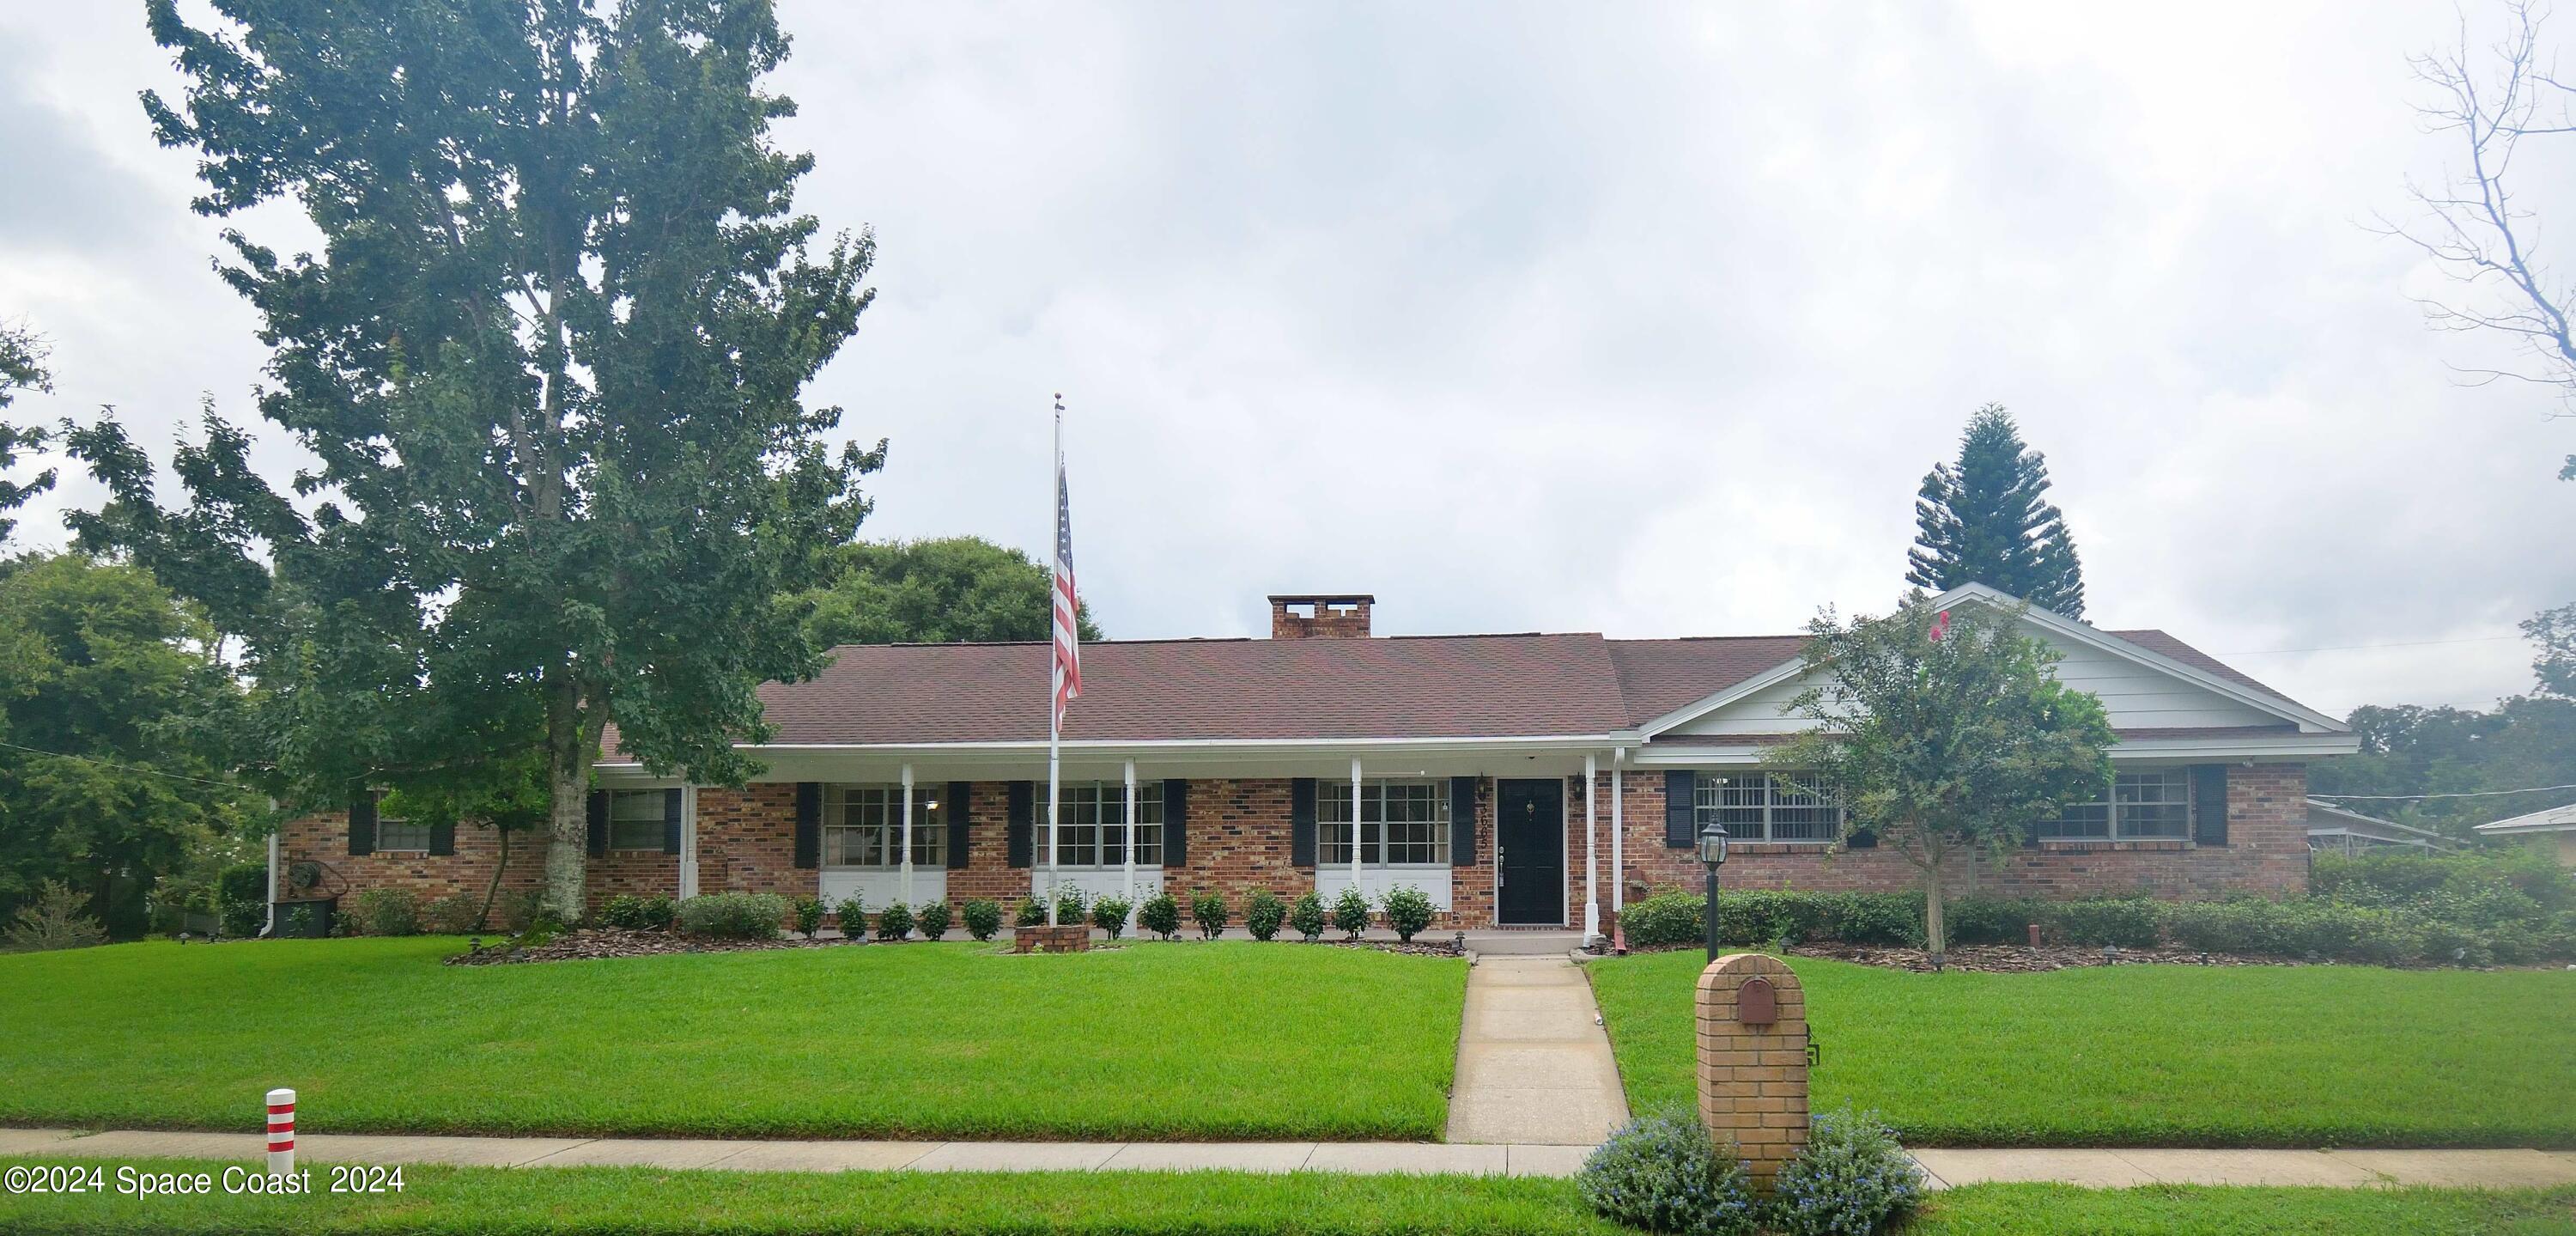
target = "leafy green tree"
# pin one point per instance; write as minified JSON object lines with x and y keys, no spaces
{"x":113,"y":707}
{"x":959,"y":589}
{"x":550,"y":363}
{"x":1986,"y":520}
{"x":2525,"y":741}
{"x":22,"y":367}
{"x":1945,"y":745}
{"x":2554,"y":632}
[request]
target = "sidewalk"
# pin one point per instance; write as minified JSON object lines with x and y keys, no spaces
{"x":2477,"y":1169}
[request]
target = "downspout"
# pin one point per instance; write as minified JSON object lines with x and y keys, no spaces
{"x":269,"y":928}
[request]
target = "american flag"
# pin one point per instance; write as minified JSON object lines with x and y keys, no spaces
{"x":1068,"y":638}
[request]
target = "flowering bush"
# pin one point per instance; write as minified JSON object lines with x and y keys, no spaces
{"x":1663,"y":1174}
{"x":1851,"y":1180}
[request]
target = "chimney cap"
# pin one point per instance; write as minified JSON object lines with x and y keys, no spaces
{"x":1290,"y":598}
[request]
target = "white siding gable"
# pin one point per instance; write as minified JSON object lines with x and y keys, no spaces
{"x":2137,"y":697}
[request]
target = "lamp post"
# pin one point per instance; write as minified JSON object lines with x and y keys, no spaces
{"x":1712,"y":855}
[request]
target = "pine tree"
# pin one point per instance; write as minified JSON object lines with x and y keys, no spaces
{"x":1988,"y":521}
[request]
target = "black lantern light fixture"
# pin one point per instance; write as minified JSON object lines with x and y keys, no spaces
{"x":1712,"y":855}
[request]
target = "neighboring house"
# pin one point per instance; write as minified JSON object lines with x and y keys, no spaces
{"x":1519,"y":780}
{"x":2335,"y":830}
{"x":2554,"y":827}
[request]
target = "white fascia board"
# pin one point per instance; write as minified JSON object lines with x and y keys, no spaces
{"x":2273,"y":747}
{"x":2545,"y":820}
{"x":1213,"y":748}
{"x":1710,"y":703}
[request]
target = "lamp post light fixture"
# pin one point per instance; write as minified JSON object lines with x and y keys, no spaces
{"x":1712,"y":855}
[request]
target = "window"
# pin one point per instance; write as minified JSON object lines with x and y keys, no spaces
{"x":863,"y":827}
{"x":635,"y":820}
{"x":2155,"y":803}
{"x":1091,"y":825}
{"x":393,"y":833}
{"x":1401,"y":823}
{"x":1765,"y":807}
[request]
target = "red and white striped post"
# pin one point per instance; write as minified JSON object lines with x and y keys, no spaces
{"x":281,"y":1132}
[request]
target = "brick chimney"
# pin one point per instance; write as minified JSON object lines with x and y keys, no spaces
{"x":1321,"y":615}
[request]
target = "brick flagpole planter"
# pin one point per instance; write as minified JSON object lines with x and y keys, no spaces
{"x":1062,"y":938}
{"x":1753,"y":1060}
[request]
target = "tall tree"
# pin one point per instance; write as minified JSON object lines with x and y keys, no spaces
{"x":550,"y":361}
{"x":1945,"y":737}
{"x":22,"y":367}
{"x":1987,"y":520}
{"x":959,"y":589}
{"x":2553,"y":632}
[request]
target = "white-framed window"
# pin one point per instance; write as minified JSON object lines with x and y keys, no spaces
{"x":1091,"y":827}
{"x":635,"y":820}
{"x":863,"y":827}
{"x":1757,"y":806}
{"x":396,"y":833}
{"x":2149,"y":804}
{"x":1401,"y":823}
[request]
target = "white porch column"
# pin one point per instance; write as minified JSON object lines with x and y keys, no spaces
{"x":1618,"y":832}
{"x":1591,"y":853}
{"x":907,"y":836}
{"x":1355,"y":823}
{"x":688,"y":842}
{"x":1130,"y":848}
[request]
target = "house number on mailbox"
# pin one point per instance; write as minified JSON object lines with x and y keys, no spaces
{"x":1756,"y":1004}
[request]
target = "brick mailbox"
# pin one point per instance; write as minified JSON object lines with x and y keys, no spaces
{"x":1753,"y":1060}
{"x":1064,"y":938}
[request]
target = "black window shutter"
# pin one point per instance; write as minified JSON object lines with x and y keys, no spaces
{"x":362,"y":823}
{"x":442,"y":839}
{"x":1023,"y":822}
{"x":1301,"y":822}
{"x":597,"y":812}
{"x":1861,"y":839}
{"x":960,"y":796}
{"x":2209,"y":804}
{"x":809,"y":824}
{"x":1176,"y":822}
{"x":1681,"y":809}
{"x":670,"y":821}
{"x":1462,"y":821}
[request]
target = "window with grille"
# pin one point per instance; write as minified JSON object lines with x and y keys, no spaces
{"x":635,"y":820}
{"x":396,"y":834}
{"x":863,"y":827}
{"x":2152,"y":804}
{"x":1092,"y":825}
{"x":1401,"y":823}
{"x":1766,"y":807}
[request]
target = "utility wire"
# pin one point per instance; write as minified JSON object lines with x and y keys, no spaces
{"x":2537,"y":789}
{"x":149,"y":772}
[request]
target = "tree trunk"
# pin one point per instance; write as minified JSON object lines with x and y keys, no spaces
{"x":492,"y":891}
{"x":1936,"y":936}
{"x":568,"y":786}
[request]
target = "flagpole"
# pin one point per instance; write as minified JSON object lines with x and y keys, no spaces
{"x":1055,"y":684}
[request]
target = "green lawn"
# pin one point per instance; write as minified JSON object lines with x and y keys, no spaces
{"x":499,"y":1201}
{"x":2152,"y":1055}
{"x":1151,"y":1041}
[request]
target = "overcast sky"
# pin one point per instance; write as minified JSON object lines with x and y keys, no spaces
{"x":1639,"y":319}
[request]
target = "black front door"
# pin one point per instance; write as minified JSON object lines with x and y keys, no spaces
{"x":1529,"y":843}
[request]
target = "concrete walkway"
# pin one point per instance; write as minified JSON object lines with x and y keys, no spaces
{"x":1534,"y":1064}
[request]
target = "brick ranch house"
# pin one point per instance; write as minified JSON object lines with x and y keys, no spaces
{"x":1520,"y":780}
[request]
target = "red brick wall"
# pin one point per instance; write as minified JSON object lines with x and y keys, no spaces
{"x":2266,"y":853}
{"x":747,"y":842}
{"x":324,"y":838}
{"x":988,"y":872}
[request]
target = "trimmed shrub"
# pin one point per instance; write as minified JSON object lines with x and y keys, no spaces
{"x":894,"y":922}
{"x":2127,"y":922}
{"x":1160,"y":915}
{"x":386,"y":912}
{"x":734,"y":916}
{"x":241,"y":899}
{"x":853,"y":916}
{"x":57,"y":918}
{"x":983,"y":917}
{"x":1990,"y":920}
{"x":453,"y":915}
{"x":1263,"y":912}
{"x":1070,"y":905}
{"x":809,"y":916}
{"x":1110,"y":915}
{"x":1408,"y":910}
{"x":1351,"y":912}
{"x":1665,"y":920}
{"x":1663,"y":1174}
{"x":933,"y":919}
{"x":624,"y":911}
{"x":1894,"y":920}
{"x":1851,"y":1180}
{"x":1308,"y":917}
{"x":1208,"y":911}
{"x":1031,"y":912}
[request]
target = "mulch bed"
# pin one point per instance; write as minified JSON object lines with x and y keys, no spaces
{"x":592,"y":943}
{"x":2024,"y":959}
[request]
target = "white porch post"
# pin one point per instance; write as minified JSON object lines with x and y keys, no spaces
{"x":688,"y":842}
{"x":1130,"y":849}
{"x":907,"y":836}
{"x":1355,"y":824}
{"x":1618,"y":832}
{"x":1591,"y":853}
